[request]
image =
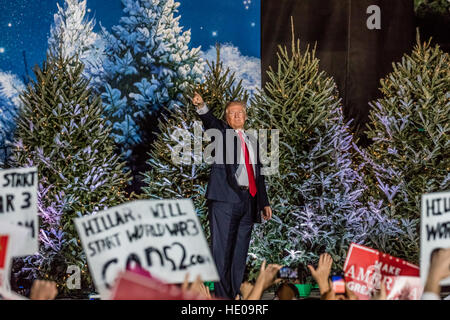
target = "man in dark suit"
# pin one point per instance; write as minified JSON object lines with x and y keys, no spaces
{"x":236,"y":194}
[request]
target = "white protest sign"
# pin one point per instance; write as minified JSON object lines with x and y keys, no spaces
{"x":162,"y":236}
{"x":19,"y":236}
{"x":18,"y":203}
{"x":13,"y":239}
{"x":435,"y":229}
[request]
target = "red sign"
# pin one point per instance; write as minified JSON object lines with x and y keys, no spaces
{"x":3,"y":250}
{"x":365,"y":268}
{"x":133,"y":286}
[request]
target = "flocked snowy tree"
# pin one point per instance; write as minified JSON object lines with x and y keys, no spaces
{"x":410,"y":153}
{"x":149,"y":67}
{"x":49,"y":262}
{"x":61,"y":130}
{"x":74,"y":31}
{"x":182,"y":127}
{"x":10,"y":88}
{"x":316,"y":193}
{"x":245,"y":68}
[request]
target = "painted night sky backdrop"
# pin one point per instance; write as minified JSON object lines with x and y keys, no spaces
{"x":25,"y":26}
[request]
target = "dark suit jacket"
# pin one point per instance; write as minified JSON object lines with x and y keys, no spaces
{"x":222,"y":185}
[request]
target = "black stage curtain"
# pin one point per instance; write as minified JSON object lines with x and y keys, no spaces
{"x":355,"y":56}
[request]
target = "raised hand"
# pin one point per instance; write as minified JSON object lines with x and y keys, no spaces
{"x":246,"y":289}
{"x":196,"y":288}
{"x":267,"y":276}
{"x":197,"y":100}
{"x":322,"y":273}
{"x":43,"y":290}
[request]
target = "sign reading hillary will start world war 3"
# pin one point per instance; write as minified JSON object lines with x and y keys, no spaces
{"x":435,"y":229}
{"x":18,"y":203}
{"x":163,"y":237}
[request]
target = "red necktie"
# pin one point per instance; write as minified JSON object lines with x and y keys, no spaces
{"x":248,"y":166}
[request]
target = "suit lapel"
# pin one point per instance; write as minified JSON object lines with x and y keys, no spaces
{"x":232,"y":168}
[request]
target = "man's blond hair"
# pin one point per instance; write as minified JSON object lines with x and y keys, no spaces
{"x":239,"y":102}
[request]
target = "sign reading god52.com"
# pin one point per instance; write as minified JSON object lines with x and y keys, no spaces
{"x":162,"y":236}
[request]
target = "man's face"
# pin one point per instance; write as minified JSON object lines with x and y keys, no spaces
{"x":236,"y":116}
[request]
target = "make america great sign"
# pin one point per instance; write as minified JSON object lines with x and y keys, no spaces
{"x":162,"y":236}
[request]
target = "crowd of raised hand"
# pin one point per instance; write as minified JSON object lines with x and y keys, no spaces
{"x":267,"y":277}
{"x":439,"y":270}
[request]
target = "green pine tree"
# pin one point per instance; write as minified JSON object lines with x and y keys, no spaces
{"x":316,"y":194}
{"x":61,"y":131}
{"x":165,"y":179}
{"x":409,"y":126}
